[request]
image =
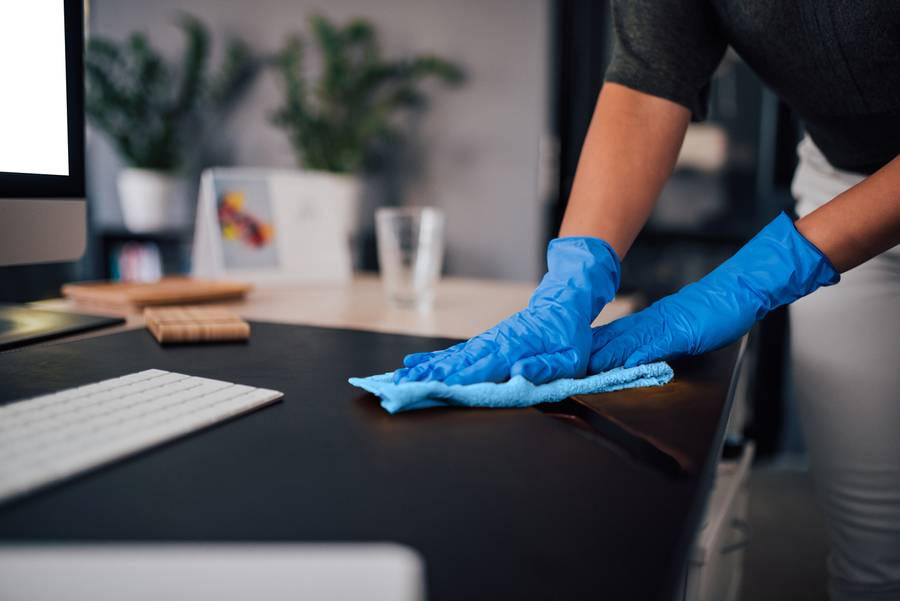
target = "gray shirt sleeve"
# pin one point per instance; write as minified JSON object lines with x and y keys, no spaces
{"x":667,"y":48}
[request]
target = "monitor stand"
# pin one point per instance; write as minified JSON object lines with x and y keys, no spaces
{"x":21,"y":325}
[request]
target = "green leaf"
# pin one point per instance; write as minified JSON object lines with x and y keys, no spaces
{"x":331,"y":124}
{"x":151,"y":109}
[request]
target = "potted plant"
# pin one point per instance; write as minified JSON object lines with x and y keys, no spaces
{"x":333,"y":124}
{"x":153,"y":111}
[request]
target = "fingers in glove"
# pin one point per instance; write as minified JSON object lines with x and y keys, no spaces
{"x":664,"y":346}
{"x":422,"y":370}
{"x":645,"y":343}
{"x":645,"y":354}
{"x":622,"y":339}
{"x":614,"y":354}
{"x":488,"y":368}
{"x":601,"y":335}
{"x":449,"y":362}
{"x":545,"y":367}
{"x":416,"y":358}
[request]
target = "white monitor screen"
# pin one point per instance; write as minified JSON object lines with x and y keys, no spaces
{"x":33,"y":122}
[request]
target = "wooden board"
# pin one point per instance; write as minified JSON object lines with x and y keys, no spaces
{"x":195,"y":324}
{"x":172,"y":290}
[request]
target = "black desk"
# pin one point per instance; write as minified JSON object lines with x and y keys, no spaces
{"x":502,"y":503}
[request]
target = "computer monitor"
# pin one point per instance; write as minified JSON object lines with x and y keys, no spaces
{"x":42,"y":197}
{"x":42,"y":190}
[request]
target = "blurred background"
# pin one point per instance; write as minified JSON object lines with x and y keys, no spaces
{"x":497,"y":153}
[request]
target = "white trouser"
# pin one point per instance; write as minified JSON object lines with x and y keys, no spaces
{"x":845,"y":350}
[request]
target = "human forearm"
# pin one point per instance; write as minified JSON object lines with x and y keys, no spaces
{"x":781,"y":264}
{"x":628,"y":155}
{"x":629,"y":152}
{"x":859,"y":224}
{"x":775,"y":268}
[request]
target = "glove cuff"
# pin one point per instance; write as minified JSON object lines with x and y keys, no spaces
{"x":777,"y":267}
{"x":807,"y":267}
{"x":584,"y":269}
{"x":824,"y":273}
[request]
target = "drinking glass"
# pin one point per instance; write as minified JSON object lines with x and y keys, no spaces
{"x":410,"y":254}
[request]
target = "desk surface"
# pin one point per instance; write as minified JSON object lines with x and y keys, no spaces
{"x":464,"y":307}
{"x":503,"y":503}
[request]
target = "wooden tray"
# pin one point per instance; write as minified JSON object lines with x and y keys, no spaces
{"x":172,"y":290}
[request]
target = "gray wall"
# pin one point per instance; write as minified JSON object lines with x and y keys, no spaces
{"x":475,"y":152}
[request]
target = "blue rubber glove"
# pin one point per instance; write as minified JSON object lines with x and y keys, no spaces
{"x":775,"y":268}
{"x":550,"y":339}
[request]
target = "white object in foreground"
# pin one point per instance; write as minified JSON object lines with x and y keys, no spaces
{"x":214,"y":572}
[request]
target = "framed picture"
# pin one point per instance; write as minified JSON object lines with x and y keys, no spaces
{"x":274,"y":225}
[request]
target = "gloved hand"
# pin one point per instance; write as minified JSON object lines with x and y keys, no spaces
{"x":775,"y":268}
{"x":550,"y":339}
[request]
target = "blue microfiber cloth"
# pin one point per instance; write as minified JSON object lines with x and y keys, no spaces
{"x":517,"y":392}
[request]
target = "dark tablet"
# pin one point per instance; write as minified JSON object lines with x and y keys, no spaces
{"x":21,"y":325}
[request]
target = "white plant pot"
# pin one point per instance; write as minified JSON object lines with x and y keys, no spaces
{"x":338,"y":194}
{"x":347,"y":191}
{"x":341,"y":193}
{"x":352,"y":194}
{"x":145,"y":196}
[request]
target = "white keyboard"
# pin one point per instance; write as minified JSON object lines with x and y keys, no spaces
{"x":52,"y":437}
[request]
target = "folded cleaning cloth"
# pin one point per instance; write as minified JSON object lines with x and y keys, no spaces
{"x":517,"y":392}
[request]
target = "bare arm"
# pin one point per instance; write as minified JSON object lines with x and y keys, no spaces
{"x":859,"y":224}
{"x":630,"y":151}
{"x":628,"y":154}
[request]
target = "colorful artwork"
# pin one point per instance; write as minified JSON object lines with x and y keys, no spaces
{"x":239,"y":225}
{"x":244,"y":211}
